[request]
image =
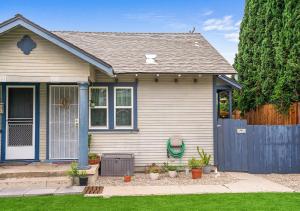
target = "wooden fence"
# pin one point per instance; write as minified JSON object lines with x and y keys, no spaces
{"x":258,"y":148}
{"x":268,"y":115}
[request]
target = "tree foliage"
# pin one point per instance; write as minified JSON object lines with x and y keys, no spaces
{"x":268,"y":59}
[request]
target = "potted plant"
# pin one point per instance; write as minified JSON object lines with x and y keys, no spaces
{"x":83,"y":178}
{"x":205,"y":158}
{"x":172,"y":170}
{"x":74,"y":173}
{"x":195,"y":165}
{"x":94,"y":159}
{"x":127,"y":177}
{"x":154,"y":171}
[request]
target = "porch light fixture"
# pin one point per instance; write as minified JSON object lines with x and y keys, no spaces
{"x":116,"y":78}
{"x":156,"y":77}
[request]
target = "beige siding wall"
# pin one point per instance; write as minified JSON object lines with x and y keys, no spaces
{"x":46,"y":63}
{"x":165,"y":109}
{"x":43,"y":119}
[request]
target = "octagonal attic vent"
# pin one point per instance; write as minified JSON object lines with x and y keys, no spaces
{"x":150,"y":58}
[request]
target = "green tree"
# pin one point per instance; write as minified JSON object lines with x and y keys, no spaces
{"x":287,"y":88}
{"x":268,"y":54}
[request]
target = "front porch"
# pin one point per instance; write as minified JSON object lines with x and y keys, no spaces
{"x":40,"y":175}
{"x":44,"y":122}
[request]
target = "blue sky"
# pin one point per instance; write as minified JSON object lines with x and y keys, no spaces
{"x":217,"y":20}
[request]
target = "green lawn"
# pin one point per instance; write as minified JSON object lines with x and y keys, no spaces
{"x":252,"y":201}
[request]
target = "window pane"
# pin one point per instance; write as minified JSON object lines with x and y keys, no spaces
{"x":123,"y":116}
{"x":123,"y":97}
{"x":98,"y":97}
{"x":98,"y":117}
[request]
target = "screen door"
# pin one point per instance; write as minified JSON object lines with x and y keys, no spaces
{"x":20,"y":123}
{"x":63,"y":122}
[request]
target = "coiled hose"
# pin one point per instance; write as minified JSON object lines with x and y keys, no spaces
{"x":175,"y":152}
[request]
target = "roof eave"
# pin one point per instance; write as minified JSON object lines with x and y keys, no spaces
{"x":230,"y":81}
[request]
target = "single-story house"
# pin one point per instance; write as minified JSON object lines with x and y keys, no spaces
{"x":131,"y":91}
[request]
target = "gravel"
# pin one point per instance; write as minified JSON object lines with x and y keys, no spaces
{"x":142,"y":179}
{"x":289,"y":180}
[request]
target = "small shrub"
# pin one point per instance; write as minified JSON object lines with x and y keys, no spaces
{"x":93,"y":156}
{"x":205,"y":158}
{"x":168,"y":167}
{"x":73,"y":172}
{"x":153,"y":169}
{"x":82,"y":174}
{"x":194,"y":163}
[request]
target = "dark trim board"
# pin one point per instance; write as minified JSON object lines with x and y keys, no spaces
{"x":215,"y":122}
{"x":37,"y":119}
{"x":231,"y":82}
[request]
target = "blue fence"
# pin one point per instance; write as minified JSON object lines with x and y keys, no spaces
{"x":257,"y":148}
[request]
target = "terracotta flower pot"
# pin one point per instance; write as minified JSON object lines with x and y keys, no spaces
{"x":196,"y":173}
{"x":94,"y":161}
{"x":127,"y":178}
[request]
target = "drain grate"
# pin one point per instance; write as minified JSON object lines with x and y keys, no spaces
{"x":93,"y":190}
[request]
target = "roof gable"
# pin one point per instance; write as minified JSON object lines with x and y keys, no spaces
{"x":19,"y":20}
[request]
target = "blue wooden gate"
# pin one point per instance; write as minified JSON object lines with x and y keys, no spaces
{"x":257,"y":148}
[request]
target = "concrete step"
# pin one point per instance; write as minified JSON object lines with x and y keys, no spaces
{"x":36,"y":182}
{"x":29,"y":174}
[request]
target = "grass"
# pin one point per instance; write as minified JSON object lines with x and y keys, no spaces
{"x":249,"y":201}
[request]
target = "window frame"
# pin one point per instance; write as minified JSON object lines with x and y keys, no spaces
{"x":125,"y":107}
{"x":99,"y":107}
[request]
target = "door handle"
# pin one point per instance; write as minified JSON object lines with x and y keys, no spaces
{"x":76,"y":122}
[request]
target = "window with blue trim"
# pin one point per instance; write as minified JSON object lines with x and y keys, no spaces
{"x":113,"y":106}
{"x":98,"y":108}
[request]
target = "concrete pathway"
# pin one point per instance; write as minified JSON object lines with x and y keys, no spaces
{"x":41,"y":191}
{"x":247,"y":183}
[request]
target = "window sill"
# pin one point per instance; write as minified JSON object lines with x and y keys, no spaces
{"x":126,"y":131}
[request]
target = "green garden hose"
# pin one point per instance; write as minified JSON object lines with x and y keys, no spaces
{"x":175,"y":152}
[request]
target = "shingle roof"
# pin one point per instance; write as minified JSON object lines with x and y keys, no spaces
{"x":176,"y":52}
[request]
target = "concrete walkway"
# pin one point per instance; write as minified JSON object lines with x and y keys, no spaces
{"x":41,"y":191}
{"x":247,"y":183}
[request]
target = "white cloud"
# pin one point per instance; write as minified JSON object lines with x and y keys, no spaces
{"x":238,"y":23}
{"x":233,"y":37}
{"x":207,"y":13}
{"x":224,"y":24}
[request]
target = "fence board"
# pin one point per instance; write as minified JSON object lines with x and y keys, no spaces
{"x":262,"y":149}
{"x":268,"y":115}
